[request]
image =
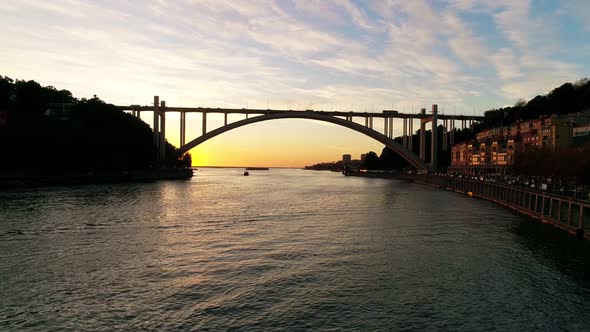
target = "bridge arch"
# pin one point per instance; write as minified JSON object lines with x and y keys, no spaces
{"x":410,"y":157}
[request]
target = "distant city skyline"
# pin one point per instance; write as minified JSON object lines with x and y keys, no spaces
{"x":467,"y":56}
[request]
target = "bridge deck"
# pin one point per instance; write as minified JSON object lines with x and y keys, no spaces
{"x":385,"y":114}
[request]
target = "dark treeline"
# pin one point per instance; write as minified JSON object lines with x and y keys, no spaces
{"x":327,"y":166}
{"x":46,"y":130}
{"x":568,"y":98}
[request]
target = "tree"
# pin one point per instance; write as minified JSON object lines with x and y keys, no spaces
{"x":186,"y":160}
{"x":567,"y":98}
{"x":29,"y":97}
{"x":520,"y":103}
{"x":6,"y":92}
{"x":88,"y":135}
{"x":372,"y":161}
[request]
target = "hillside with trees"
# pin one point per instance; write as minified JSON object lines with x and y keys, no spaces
{"x":44,"y":130}
{"x":568,"y":98}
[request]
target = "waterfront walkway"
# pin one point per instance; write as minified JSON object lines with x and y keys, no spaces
{"x":565,"y":212}
{"x":560,"y":211}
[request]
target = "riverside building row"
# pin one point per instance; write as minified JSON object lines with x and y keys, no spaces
{"x":494,"y":150}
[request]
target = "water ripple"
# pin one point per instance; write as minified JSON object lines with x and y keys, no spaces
{"x":284,"y":250}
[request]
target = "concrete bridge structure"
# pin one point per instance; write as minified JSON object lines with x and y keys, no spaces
{"x":345,"y":119}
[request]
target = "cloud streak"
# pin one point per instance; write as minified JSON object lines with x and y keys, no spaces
{"x":392,"y":52}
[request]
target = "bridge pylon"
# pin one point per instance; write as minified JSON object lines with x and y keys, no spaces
{"x":434,"y":141}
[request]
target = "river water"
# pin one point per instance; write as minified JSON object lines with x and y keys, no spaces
{"x":282,"y":250}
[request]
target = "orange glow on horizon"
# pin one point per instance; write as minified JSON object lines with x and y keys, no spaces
{"x":237,"y":156}
{"x":279,"y":143}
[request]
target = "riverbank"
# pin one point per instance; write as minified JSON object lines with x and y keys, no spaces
{"x":13,"y":181}
{"x":559,"y":211}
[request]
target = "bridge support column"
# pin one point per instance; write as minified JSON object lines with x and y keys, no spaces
{"x":156,"y":125}
{"x":367,"y":121}
{"x":411,"y":134}
{"x":225,"y":119}
{"x":371,"y":122}
{"x":204,"y":130}
{"x":182,"y":128}
{"x":444,"y":138}
{"x":390,"y":127}
{"x":405,"y":131}
{"x":386,"y":126}
{"x":423,"y":135}
{"x":162,"y":131}
{"x":433,"y":151}
{"x":452,"y":136}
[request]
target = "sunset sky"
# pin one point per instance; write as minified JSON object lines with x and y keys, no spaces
{"x":464,"y":55}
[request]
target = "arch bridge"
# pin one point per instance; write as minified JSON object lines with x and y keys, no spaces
{"x":344,"y":119}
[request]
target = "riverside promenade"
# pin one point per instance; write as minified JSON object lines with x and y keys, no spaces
{"x":570,"y":214}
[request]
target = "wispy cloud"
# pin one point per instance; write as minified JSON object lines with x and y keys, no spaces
{"x":462,"y":53}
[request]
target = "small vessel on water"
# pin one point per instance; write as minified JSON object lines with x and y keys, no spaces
{"x":257,"y":168}
{"x":246,"y":173}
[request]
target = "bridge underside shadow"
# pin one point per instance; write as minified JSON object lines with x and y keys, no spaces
{"x":410,"y":157}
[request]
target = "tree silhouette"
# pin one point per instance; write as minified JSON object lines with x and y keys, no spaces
{"x":567,"y":98}
{"x":50,"y":131}
{"x":372,"y":161}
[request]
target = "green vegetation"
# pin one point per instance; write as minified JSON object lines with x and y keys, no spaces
{"x":48,"y":131}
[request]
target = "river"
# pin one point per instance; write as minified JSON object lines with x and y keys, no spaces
{"x":282,"y":250}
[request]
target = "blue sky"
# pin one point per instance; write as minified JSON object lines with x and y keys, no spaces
{"x":465,"y":55}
